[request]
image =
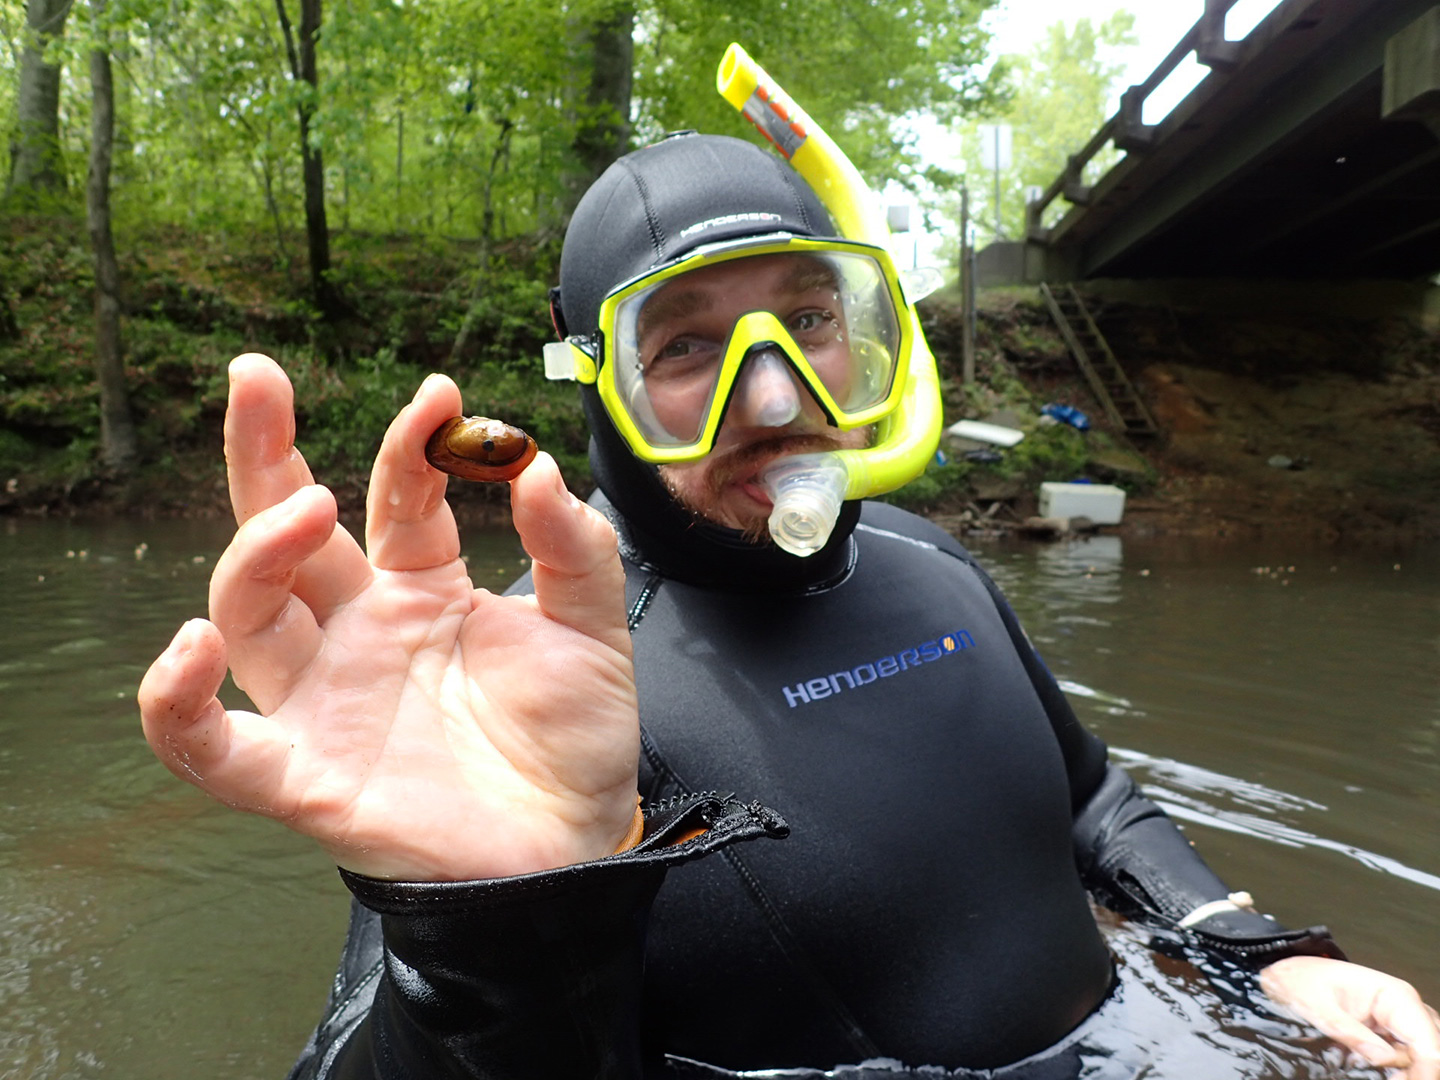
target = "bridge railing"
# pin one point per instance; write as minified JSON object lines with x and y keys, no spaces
{"x":1127,"y":128}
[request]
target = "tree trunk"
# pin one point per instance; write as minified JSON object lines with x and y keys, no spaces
{"x":487,"y":239}
{"x":117,"y":428}
{"x":602,"y":123}
{"x":399,"y":166}
{"x":35,"y":164}
{"x":9,"y":326}
{"x":317,"y":234}
{"x":604,"y":131}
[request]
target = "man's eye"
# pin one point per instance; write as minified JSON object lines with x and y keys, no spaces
{"x":680,"y":356}
{"x":675,"y":349}
{"x":808,"y":322}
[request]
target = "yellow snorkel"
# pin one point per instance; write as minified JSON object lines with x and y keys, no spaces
{"x":807,"y":490}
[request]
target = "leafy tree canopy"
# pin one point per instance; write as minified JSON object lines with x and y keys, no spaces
{"x":1059,"y":93}
{"x":446,"y":117}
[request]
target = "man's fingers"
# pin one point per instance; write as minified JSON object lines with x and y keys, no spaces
{"x":177,"y":696}
{"x":1401,"y":1011}
{"x":408,"y":525}
{"x":273,"y":635}
{"x":263,"y":465}
{"x":265,"y":468}
{"x":1379,"y":1017}
{"x":1356,"y":1036}
{"x":193,"y":735}
{"x":578,"y":577}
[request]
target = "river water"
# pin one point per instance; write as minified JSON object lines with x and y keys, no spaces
{"x":1283,"y":702}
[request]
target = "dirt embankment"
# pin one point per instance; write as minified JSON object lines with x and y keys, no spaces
{"x":1323,"y":426}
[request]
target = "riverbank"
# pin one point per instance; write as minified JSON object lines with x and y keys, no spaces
{"x":1327,"y":427}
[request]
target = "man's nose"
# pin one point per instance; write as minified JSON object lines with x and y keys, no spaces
{"x":766,"y":393}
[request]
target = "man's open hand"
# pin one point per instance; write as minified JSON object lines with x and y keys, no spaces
{"x":1377,"y":1016}
{"x":416,"y":727}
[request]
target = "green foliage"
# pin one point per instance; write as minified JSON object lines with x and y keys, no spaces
{"x":859,"y":68}
{"x":341,"y":415}
{"x":46,"y":378}
{"x":1051,"y":452}
{"x":1058,"y":98}
{"x":448,"y":130}
{"x":942,"y":484}
{"x":458,"y":117}
{"x":509,"y":312}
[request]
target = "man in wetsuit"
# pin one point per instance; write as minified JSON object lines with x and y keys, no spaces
{"x":472,"y":762}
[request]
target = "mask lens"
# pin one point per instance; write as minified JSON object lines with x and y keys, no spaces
{"x":669,"y":340}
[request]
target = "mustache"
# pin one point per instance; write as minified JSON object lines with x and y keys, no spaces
{"x":742,"y":462}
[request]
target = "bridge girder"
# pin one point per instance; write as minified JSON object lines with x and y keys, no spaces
{"x":1280,"y":165}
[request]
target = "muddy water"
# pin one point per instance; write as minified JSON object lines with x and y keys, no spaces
{"x":1291,"y":719}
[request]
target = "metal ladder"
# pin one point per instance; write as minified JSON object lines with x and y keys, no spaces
{"x":1107,"y":379}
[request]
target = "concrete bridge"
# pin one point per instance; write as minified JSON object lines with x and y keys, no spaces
{"x":1310,"y":150}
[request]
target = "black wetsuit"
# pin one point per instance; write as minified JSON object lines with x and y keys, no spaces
{"x":925,"y":905}
{"x":946,"y":813}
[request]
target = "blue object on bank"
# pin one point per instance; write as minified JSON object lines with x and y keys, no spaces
{"x":984,"y":456}
{"x":1067,"y":414}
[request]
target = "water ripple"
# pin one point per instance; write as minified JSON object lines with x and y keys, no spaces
{"x":1180,"y":797}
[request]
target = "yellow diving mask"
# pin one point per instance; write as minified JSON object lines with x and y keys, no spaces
{"x":820,"y":317}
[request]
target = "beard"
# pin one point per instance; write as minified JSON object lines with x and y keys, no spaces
{"x":726,"y":468}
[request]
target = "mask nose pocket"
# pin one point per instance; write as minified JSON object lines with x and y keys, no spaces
{"x":766,"y":394}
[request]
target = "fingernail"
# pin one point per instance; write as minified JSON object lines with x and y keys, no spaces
{"x":563,"y":491}
{"x":180,"y":643}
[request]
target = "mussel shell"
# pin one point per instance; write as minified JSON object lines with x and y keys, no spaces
{"x":479,"y":448}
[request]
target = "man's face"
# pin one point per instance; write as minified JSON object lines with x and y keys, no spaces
{"x":682,"y":333}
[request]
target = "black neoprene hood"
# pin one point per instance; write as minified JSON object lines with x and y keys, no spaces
{"x":648,"y":209}
{"x":666,"y":199}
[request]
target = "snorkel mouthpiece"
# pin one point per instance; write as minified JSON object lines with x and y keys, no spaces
{"x":807,"y":490}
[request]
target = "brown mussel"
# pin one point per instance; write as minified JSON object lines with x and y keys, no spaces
{"x":478,"y":448}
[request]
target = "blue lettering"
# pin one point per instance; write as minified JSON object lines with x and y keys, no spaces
{"x":802,"y":693}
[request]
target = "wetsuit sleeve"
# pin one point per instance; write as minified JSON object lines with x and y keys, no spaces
{"x":530,"y":977}
{"x":1130,"y":854}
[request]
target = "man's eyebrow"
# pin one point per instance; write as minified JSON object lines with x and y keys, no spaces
{"x":670,"y":304}
{"x":809,"y":274}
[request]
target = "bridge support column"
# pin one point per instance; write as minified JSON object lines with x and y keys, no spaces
{"x":1412,"y":73}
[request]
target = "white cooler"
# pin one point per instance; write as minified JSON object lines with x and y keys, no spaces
{"x":1104,"y":504}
